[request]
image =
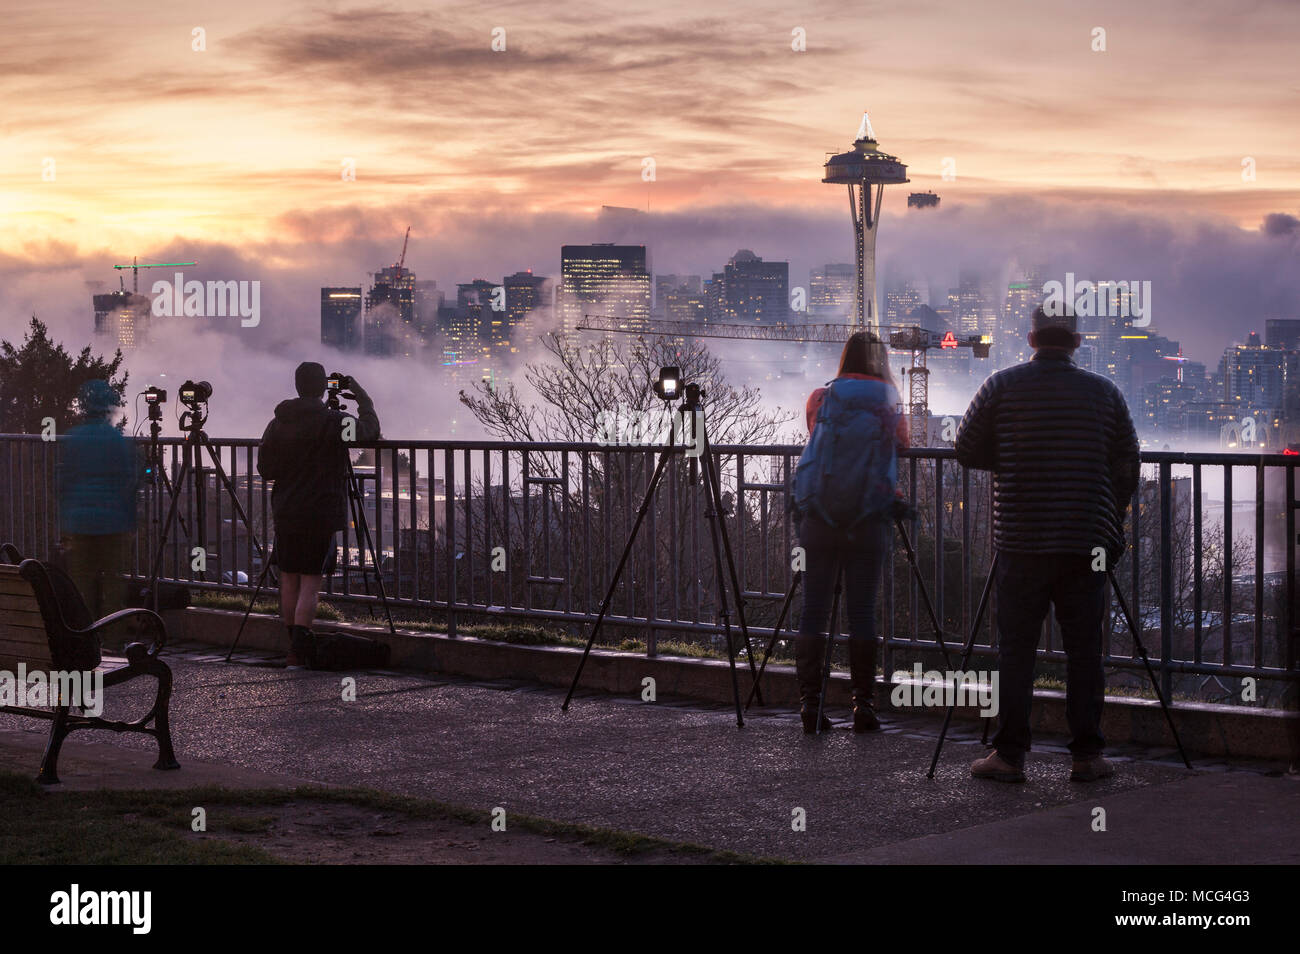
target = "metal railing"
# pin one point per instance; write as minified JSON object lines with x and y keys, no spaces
{"x":532,"y":531}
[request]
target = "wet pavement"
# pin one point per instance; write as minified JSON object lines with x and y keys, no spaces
{"x":681,"y":770}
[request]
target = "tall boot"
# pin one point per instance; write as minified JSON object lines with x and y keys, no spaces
{"x":809,"y":657}
{"x":862,"y":674}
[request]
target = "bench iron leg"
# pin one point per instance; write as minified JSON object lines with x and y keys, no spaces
{"x":166,"y":756}
{"x":49,"y":774}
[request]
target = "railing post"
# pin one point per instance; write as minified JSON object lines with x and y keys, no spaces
{"x":1166,"y":580}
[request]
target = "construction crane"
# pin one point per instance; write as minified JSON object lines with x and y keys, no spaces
{"x":397,"y":269}
{"x":914,"y":339}
{"x":135,"y":267}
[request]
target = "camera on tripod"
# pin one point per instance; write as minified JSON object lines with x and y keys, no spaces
{"x":192,"y":394}
{"x":154,"y":396}
{"x":668,"y":386}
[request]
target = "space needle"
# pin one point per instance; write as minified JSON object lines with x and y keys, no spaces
{"x":865,"y":166}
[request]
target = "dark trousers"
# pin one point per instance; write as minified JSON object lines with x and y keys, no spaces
{"x":1026,"y":584}
{"x":859,"y":558}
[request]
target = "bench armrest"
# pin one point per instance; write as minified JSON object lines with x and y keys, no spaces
{"x":154,"y":621}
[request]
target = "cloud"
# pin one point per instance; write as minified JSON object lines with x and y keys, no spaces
{"x":1280,"y":223}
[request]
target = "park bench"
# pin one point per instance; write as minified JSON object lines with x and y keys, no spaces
{"x":44,"y":624}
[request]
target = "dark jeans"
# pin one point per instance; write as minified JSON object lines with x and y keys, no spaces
{"x":860,"y":558}
{"x":1026,"y":584}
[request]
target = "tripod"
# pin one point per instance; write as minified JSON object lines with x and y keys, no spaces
{"x":356,"y":506}
{"x":900,"y":510}
{"x":1137,"y":643}
{"x":721,"y":551}
{"x":196,"y":441}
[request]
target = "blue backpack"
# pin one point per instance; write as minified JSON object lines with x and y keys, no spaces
{"x":849,"y":467}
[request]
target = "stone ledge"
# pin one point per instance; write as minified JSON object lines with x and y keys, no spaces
{"x":1206,"y":729}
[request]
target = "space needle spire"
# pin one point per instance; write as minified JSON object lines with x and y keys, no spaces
{"x":863,"y":168}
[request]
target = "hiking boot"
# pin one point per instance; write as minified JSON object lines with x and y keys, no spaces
{"x":997,"y":768}
{"x":809,"y":657}
{"x":1091,"y":769}
{"x":862,"y":676}
{"x":301,"y":645}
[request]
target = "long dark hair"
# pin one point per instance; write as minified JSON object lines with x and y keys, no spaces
{"x":864,"y":353}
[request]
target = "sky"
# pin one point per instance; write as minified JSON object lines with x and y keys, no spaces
{"x":120,"y":138}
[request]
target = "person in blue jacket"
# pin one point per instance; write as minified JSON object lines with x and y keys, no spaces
{"x":97,"y":476}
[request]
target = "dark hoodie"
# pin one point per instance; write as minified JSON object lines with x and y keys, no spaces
{"x":304,"y":453}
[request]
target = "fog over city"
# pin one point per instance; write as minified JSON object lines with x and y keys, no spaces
{"x":1212,"y":283}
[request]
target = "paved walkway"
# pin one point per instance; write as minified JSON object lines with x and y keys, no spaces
{"x":683,"y":771}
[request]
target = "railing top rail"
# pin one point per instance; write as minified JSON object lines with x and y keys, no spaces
{"x":1238,"y":459}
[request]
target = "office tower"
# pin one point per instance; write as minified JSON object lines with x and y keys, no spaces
{"x":528,"y":308}
{"x":1018,"y":307}
{"x":668,"y":284}
{"x":604,"y":280}
{"x":922,"y":200}
{"x":900,"y":302}
{"x":389,"y":322}
{"x":340,"y":317}
{"x":715,"y":298}
{"x":477,"y":321}
{"x":755,"y":290}
{"x":680,"y":297}
{"x":830,"y":292}
{"x":122,"y":318}
{"x":1254,"y":375}
{"x":428,"y":299}
{"x":1282,"y":333}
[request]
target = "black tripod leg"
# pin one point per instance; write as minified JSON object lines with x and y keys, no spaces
{"x":162,"y":538}
{"x":717,"y":534}
{"x":261,"y":580}
{"x":925,"y":594}
{"x":234,"y":500}
{"x":965,"y":659}
{"x":379,"y":573}
{"x":776,"y":632}
{"x":830,"y":647}
{"x":618,"y":572}
{"x":711,"y":474}
{"x":1155,"y":683}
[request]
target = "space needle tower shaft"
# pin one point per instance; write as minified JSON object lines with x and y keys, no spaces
{"x":865,"y":170}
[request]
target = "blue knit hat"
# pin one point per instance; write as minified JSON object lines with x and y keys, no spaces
{"x":98,"y":399}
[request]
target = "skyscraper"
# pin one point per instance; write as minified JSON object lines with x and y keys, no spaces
{"x":122,"y":317}
{"x":755,"y":290}
{"x":680,"y":297}
{"x":528,"y":307}
{"x":389,"y":321}
{"x":603,"y":279}
{"x":340,"y":317}
{"x":1282,"y":333}
{"x":830,"y":291}
{"x":900,"y":300}
{"x":1254,"y":375}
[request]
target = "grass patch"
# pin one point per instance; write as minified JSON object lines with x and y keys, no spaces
{"x":153,"y":827}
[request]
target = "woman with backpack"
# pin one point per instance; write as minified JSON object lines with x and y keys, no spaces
{"x":845,"y":489}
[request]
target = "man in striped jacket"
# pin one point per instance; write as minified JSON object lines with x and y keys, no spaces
{"x":1064,"y":456}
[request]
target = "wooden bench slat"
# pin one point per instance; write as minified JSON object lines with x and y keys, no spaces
{"x":9,"y":601}
{"x":22,"y":634}
{"x":21,"y":621}
{"x":26,"y":619}
{"x":10,"y":663}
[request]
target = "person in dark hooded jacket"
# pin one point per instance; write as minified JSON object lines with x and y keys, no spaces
{"x":304,"y":452}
